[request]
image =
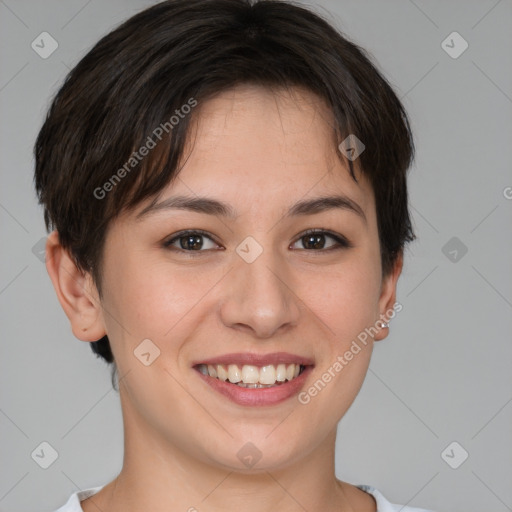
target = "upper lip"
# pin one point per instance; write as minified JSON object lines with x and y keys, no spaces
{"x":243,"y":358}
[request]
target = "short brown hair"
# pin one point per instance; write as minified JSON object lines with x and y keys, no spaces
{"x":141,"y":74}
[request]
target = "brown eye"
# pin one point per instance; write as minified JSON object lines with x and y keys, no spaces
{"x":191,"y":241}
{"x":317,"y":240}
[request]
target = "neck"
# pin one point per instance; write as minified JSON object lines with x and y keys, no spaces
{"x":159,"y":476}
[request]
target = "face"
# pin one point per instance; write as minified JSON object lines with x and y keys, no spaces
{"x":257,"y":282}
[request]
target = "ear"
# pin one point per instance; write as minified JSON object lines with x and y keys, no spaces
{"x":76,"y":292}
{"x":388,"y":296}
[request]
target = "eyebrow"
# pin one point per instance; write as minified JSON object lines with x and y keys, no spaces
{"x":214,"y":207}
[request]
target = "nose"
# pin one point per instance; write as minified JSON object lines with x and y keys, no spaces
{"x":259,"y":297}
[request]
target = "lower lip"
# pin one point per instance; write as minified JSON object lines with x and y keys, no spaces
{"x":258,"y":396}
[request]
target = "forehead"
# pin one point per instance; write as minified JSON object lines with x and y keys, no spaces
{"x":256,"y":147}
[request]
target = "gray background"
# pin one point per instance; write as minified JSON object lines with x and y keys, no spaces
{"x":443,"y":374}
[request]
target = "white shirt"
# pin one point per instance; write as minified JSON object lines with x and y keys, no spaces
{"x":383,"y":505}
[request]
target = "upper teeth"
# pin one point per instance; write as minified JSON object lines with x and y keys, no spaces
{"x":249,"y":374}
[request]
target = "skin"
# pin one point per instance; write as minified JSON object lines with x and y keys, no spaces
{"x":260,"y":152}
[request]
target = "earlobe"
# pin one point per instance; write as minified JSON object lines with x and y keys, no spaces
{"x":75,"y":290}
{"x":388,"y":298}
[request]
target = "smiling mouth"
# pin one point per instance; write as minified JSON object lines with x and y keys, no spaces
{"x":251,"y":376}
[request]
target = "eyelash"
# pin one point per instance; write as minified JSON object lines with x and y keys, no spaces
{"x":342,"y":242}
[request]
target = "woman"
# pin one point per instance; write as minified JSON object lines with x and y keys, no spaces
{"x":226,"y":185}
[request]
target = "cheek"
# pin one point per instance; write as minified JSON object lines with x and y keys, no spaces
{"x":351,"y":307}
{"x":347,"y":299}
{"x":148,"y":298}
